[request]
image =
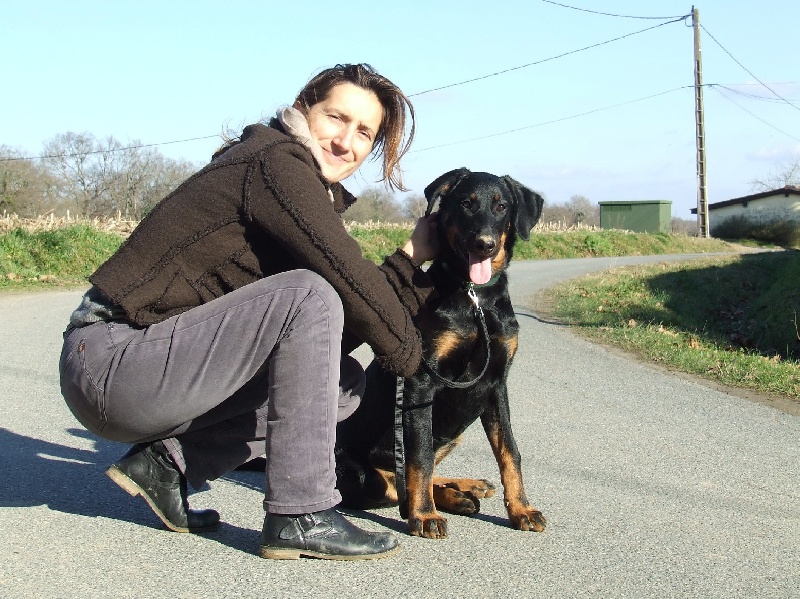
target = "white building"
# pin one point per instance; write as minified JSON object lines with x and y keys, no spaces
{"x":768,"y":206}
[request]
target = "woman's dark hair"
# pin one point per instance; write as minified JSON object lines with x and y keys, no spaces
{"x":391,"y":141}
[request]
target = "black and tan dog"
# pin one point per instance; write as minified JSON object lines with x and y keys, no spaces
{"x":469,"y":334}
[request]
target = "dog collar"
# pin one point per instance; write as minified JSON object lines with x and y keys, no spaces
{"x":488,"y":283}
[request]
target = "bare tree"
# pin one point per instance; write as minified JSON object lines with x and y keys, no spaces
{"x":414,"y":206}
{"x":375,"y":204}
{"x":165,"y":175}
{"x":141,"y":177}
{"x":780,"y":176}
{"x":578,"y":210}
{"x":583,"y":211}
{"x":68,"y":157}
{"x":106,"y":177}
{"x":684,"y":226}
{"x":24,"y":184}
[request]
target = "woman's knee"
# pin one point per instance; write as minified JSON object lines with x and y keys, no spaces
{"x":318,"y":287}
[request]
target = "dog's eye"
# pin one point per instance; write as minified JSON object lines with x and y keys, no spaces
{"x":500,"y":206}
{"x":466,"y":203}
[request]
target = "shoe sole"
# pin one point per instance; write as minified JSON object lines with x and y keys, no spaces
{"x":130,"y":487}
{"x":275,"y":553}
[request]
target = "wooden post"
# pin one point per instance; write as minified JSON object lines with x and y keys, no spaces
{"x":702,"y":201}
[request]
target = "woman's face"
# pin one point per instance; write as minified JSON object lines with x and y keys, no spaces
{"x":345,"y":125}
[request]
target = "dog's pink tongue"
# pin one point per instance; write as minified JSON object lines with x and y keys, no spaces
{"x":480,"y":270}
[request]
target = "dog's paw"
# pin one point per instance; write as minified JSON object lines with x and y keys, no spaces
{"x":479,"y":488}
{"x":431,"y":526}
{"x":454,"y":501}
{"x":461,"y":495}
{"x":528,"y":518}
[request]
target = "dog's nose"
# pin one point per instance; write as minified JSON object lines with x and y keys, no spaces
{"x":484,"y":245}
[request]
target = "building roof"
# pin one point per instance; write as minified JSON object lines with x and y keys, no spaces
{"x":633,"y":202}
{"x":784,"y":191}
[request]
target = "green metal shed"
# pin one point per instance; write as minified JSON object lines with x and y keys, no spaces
{"x":648,"y":216}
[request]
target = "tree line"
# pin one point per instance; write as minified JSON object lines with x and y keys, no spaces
{"x":88,"y":177}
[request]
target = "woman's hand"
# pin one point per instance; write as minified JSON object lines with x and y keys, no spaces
{"x":424,"y":242}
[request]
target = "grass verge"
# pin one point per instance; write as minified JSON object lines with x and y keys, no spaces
{"x":55,"y":258}
{"x":64,"y":256}
{"x":732,"y":320}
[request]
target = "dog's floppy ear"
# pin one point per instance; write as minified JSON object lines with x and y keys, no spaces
{"x":442,"y":185}
{"x":528,"y":207}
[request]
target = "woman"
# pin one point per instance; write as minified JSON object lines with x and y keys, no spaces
{"x":220,"y":329}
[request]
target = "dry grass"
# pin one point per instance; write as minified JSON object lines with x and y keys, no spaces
{"x":542,"y":227}
{"x":49,"y":222}
{"x":557,"y":226}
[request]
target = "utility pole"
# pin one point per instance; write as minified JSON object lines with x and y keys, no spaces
{"x":702,"y":201}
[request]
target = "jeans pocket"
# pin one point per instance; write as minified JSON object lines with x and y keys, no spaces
{"x":84,"y":364}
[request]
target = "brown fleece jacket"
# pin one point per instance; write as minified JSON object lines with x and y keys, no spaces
{"x":260,"y":208}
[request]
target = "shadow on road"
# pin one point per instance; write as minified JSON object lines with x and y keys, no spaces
{"x":34,"y":472}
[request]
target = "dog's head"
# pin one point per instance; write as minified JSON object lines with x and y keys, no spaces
{"x":480,"y":215}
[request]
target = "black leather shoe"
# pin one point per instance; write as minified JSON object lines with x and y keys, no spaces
{"x":326,"y":534}
{"x":147,"y":470}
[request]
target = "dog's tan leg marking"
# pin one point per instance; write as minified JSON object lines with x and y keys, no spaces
{"x":423,"y":519}
{"x":445,"y":450}
{"x":511,"y":344}
{"x":522,"y":514}
{"x":387,"y":480}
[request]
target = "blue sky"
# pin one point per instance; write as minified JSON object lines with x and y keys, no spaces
{"x":165,"y":71}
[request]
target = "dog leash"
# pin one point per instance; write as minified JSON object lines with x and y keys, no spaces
{"x":399,"y":407}
{"x":482,"y":321}
{"x":399,"y":446}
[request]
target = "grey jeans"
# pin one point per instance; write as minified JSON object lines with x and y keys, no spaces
{"x":256,"y":371}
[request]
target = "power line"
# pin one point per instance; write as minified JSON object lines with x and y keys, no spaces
{"x":530,"y":64}
{"x":608,"y":14}
{"x":751,"y":96}
{"x":777,"y":95}
{"x":718,"y":88}
{"x":668,"y":22}
{"x":588,"y":112}
{"x":136,"y":147}
{"x":566,"y":118}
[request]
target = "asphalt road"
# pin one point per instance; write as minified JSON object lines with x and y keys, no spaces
{"x":653,"y":486}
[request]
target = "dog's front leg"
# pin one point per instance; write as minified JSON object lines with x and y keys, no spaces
{"x":423,"y":519}
{"x":496,"y":422}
